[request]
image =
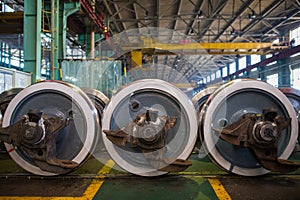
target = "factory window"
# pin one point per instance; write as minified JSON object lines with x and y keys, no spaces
{"x":6,"y":8}
{"x":224,"y":71}
{"x":5,"y":81}
{"x":232,"y":68}
{"x":208,"y":79}
{"x":295,"y":37}
{"x":213,"y":76}
{"x":218,"y":74}
{"x":255,"y":59}
{"x":242,"y":63}
{"x":273,"y":80}
{"x":295,"y":77}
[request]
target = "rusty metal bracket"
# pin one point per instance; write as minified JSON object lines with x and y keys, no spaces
{"x":260,"y":133}
{"x":36,"y":134}
{"x":148,"y":132}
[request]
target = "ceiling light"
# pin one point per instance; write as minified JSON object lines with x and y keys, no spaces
{"x":200,"y":15}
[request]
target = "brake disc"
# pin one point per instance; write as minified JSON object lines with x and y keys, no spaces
{"x":228,"y":104}
{"x":127,"y":113}
{"x":57,"y":99}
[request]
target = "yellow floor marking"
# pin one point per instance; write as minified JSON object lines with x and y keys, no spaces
{"x":88,"y":194}
{"x":219,"y":189}
{"x":98,"y":181}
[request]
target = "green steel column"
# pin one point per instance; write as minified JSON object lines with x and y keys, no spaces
{"x":87,"y":40}
{"x":9,"y":56}
{"x":248,"y":63}
{"x":1,"y":54}
{"x":237,"y":64}
{"x":284,"y":73}
{"x":60,"y":12}
{"x":19,"y":51}
{"x":261,"y":70}
{"x":32,"y":38}
{"x":228,"y":71}
{"x":68,"y":9}
{"x":55,"y":38}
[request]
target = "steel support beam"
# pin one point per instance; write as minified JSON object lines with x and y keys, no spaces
{"x":194,"y":16}
{"x":69,"y":9}
{"x":215,"y":12}
{"x":32,"y":38}
{"x":1,"y":52}
{"x":55,"y":19}
{"x":282,"y":55}
{"x":174,"y":28}
{"x":238,"y":14}
{"x":284,"y":73}
{"x":288,"y":17}
{"x":59,"y":14}
{"x":111,"y":13}
{"x":200,"y":46}
{"x":265,"y":13}
{"x":157,"y":13}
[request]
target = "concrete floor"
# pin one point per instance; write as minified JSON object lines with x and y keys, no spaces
{"x":94,"y":181}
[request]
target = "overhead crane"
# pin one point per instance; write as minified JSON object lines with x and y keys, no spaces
{"x":190,"y":47}
{"x":151,"y":46}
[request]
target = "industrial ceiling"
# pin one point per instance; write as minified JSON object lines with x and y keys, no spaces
{"x":202,"y":21}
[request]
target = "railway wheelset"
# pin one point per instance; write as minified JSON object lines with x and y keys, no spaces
{"x":150,"y":127}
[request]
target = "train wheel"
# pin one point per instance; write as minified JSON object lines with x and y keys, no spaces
{"x":73,"y":143}
{"x":99,"y":99}
{"x":294,"y":96}
{"x":201,"y":97}
{"x":5,"y":99}
{"x":199,"y":100}
{"x":145,"y":147}
{"x":226,"y":106}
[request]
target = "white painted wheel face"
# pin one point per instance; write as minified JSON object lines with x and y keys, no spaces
{"x":229,"y":103}
{"x":76,"y":141}
{"x":167,"y":100}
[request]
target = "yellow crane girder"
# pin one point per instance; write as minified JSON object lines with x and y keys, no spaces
{"x":204,"y":47}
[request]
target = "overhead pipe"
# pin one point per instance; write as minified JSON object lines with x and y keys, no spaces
{"x":98,"y":20}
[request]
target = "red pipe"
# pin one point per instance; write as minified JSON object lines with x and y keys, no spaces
{"x":98,"y":20}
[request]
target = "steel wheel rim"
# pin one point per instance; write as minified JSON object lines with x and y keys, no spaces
{"x":206,"y":120}
{"x":80,"y":99}
{"x":293,"y":95}
{"x":201,"y":97}
{"x":99,"y":100}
